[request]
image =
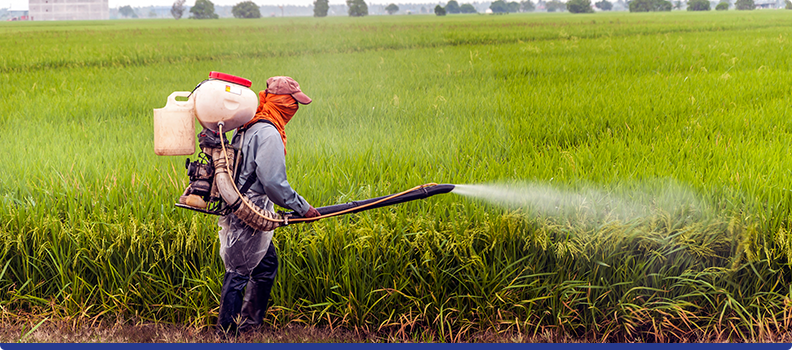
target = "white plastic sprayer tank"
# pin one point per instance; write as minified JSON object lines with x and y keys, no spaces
{"x":223,"y":98}
{"x":226,"y":99}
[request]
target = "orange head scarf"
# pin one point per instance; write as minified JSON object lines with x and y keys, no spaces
{"x":278,"y":109}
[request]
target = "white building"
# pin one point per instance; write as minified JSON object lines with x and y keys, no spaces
{"x":63,"y":10}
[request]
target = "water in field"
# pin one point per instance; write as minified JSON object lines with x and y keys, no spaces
{"x":591,"y":204}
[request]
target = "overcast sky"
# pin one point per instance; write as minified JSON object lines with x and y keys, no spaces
{"x":23,"y":4}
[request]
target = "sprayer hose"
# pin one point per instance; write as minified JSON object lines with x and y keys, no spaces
{"x":285,"y":221}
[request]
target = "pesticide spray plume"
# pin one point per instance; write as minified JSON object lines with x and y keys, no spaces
{"x":588,"y":205}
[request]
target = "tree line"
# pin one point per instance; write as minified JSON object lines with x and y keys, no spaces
{"x":692,"y":5}
{"x":204,"y":9}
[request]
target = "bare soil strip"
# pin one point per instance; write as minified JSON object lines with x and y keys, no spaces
{"x":127,"y":331}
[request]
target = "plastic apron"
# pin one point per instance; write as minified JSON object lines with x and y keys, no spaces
{"x":242,"y":247}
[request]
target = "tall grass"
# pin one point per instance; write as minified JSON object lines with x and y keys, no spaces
{"x":611,"y":101}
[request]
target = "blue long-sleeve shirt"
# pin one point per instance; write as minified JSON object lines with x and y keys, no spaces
{"x":262,"y":153}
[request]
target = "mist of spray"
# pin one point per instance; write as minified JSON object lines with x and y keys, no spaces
{"x":592,"y":204}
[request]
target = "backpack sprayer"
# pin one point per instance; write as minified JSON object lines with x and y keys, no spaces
{"x":222,"y":103}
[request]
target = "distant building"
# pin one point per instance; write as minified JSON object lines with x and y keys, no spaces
{"x":18,"y":15}
{"x":767,"y":4}
{"x":65,"y":10}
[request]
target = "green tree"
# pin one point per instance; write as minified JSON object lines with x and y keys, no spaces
{"x":499,"y":7}
{"x":788,"y":5}
{"x":649,"y":5}
{"x":357,"y":8}
{"x":321,"y":7}
{"x":246,"y":9}
{"x":604,"y":5}
{"x":452,"y":7}
{"x":392,"y":8}
{"x":723,"y":6}
{"x":513,"y":7}
{"x":177,"y":10}
{"x":579,"y":6}
{"x":744,"y":5}
{"x":698,"y":5}
{"x":555,"y":5}
{"x":678,"y":5}
{"x":527,"y":6}
{"x":127,"y":11}
{"x":440,"y":11}
{"x":468,"y":8}
{"x":203,"y":9}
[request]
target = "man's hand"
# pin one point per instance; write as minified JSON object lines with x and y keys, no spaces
{"x":311,"y":213}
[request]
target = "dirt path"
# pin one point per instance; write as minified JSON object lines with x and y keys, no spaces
{"x":125,"y":331}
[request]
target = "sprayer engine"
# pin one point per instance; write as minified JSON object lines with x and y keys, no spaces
{"x":201,"y":194}
{"x":201,"y":174}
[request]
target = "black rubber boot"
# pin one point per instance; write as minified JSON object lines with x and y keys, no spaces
{"x":231,"y":300}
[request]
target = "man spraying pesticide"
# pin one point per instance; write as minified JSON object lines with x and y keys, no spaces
{"x":241,"y":180}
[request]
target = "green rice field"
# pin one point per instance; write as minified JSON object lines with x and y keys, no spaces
{"x":677,"y":107}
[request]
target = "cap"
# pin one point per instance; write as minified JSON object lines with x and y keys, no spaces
{"x":287,"y":86}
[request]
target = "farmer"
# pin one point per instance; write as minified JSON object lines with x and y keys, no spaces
{"x":249,"y":255}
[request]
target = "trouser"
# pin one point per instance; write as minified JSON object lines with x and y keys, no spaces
{"x":248,"y":310}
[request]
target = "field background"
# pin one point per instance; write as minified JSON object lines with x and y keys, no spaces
{"x":612,"y":102}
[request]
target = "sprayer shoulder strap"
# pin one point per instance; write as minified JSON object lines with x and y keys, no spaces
{"x":249,"y":182}
{"x":237,"y":169}
{"x":256,"y":122}
{"x":238,"y":153}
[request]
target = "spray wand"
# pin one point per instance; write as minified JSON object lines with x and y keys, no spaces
{"x":417,"y":192}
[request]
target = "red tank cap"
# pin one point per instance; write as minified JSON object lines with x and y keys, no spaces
{"x":230,"y":78}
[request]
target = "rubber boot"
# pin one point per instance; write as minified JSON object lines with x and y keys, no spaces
{"x":231,"y":299}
